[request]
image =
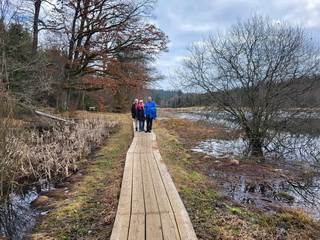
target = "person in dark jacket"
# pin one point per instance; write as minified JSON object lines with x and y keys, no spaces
{"x":150,"y":112}
{"x":141,"y":116}
{"x":134,"y":113}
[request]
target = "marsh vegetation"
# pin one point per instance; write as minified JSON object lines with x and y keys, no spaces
{"x":35,"y":153}
{"x":247,"y":199}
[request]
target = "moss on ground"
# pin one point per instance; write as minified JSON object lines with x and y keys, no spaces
{"x":86,"y":208}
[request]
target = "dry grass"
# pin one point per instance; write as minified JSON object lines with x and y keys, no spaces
{"x":33,"y":155}
{"x":57,"y":151}
{"x":8,"y":149}
{"x":192,"y":132}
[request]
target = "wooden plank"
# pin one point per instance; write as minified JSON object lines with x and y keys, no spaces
{"x":169,"y":227}
{"x":153,"y":222}
{"x":137,"y":227}
{"x":151,"y":204}
{"x":160,"y":191}
{"x":133,"y":146}
{"x":185,"y":227}
{"x":153,"y":227}
{"x":120,"y":227}
{"x":153,"y":140}
{"x":138,"y":206}
{"x":122,"y":222}
{"x":149,"y":142}
{"x":124,"y":205}
{"x":144,"y":142}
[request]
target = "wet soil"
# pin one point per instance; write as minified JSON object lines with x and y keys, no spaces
{"x":266,"y":185}
{"x":99,"y":213}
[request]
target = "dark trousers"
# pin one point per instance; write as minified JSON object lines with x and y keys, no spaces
{"x":149,"y":123}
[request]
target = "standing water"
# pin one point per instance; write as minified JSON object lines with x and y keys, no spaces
{"x":17,"y":217}
{"x":297,"y":152}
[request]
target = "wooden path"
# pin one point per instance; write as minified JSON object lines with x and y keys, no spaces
{"x":149,"y":205}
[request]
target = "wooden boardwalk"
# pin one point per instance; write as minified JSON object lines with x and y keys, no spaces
{"x":149,"y":205}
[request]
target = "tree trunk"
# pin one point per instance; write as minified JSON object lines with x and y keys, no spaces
{"x":37,"y":7}
{"x":82,"y":100}
{"x":255,"y":147}
{"x":4,"y":77}
{"x":63,"y":99}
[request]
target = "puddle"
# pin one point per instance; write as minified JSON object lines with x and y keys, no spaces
{"x":17,"y":217}
{"x":163,"y":118}
{"x":221,"y":148}
{"x":218,"y":117}
{"x":299,"y":148}
{"x":274,"y":192}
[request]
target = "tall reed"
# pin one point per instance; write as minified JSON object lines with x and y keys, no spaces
{"x":8,"y":161}
{"x":44,"y":155}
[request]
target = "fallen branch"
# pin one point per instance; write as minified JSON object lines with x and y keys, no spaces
{"x":53,"y":117}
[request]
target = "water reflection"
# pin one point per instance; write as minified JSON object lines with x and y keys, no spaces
{"x":17,"y":217}
{"x":292,"y":148}
{"x":300,"y":146}
{"x":294,"y":145}
{"x":302,"y":193}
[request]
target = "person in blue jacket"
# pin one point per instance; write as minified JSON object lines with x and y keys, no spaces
{"x":150,"y":112}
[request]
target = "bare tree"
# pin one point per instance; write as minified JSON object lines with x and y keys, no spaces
{"x":39,"y":12}
{"x":252,"y":72}
{"x":35,"y":38}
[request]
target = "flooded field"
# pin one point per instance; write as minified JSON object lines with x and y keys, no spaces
{"x":293,"y":148}
{"x":297,"y":182}
{"x":269,"y":193}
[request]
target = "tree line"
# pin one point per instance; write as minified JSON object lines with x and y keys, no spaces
{"x":180,"y":99}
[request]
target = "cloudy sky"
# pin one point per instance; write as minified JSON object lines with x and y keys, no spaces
{"x":187,"y":21}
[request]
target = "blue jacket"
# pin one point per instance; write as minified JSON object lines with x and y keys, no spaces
{"x":150,"y":109}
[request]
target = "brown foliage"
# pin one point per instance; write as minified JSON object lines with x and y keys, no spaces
{"x":109,"y":44}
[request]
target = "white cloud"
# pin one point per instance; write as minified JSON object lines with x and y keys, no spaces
{"x":196,"y":28}
{"x":189,"y":21}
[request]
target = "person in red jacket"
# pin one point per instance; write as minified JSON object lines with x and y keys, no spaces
{"x":141,"y":116}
